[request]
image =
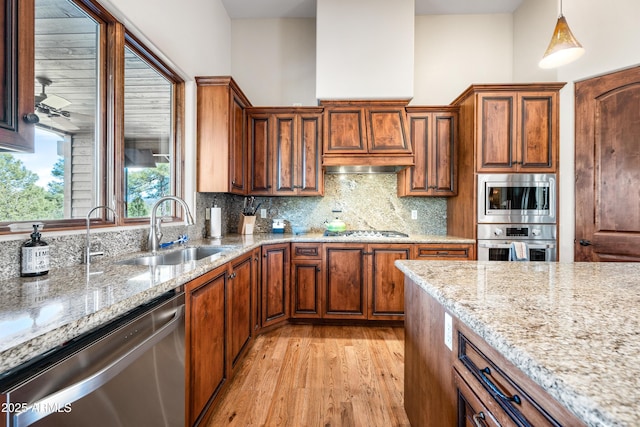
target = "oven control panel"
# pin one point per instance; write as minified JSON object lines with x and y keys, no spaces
{"x":517,"y":231}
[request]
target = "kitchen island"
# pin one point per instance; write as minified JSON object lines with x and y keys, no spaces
{"x":572,"y":329}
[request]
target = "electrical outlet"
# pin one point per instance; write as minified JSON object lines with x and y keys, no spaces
{"x":414,"y":214}
{"x":448,"y":331}
{"x":263,"y":213}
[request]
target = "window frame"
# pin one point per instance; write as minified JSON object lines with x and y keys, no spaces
{"x":113,"y":37}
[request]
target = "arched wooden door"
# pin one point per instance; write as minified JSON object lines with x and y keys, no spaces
{"x":607,"y":156}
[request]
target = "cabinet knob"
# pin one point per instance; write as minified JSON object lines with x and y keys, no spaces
{"x":31,"y":118}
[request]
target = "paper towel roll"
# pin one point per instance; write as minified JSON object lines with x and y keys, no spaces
{"x":215,"y":223}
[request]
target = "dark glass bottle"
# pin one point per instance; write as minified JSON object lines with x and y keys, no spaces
{"x":34,"y":256}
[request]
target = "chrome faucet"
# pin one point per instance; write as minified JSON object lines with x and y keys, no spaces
{"x":87,"y":250}
{"x":155,"y":232}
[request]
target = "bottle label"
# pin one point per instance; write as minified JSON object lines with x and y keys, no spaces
{"x":35,"y":259}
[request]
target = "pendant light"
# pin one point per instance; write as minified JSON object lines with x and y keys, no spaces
{"x":563,"y":48}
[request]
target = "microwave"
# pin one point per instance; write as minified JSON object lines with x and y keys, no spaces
{"x":517,"y":198}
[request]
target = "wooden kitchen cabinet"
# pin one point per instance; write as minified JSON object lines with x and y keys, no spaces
{"x":345,"y":293}
{"x":442,"y":251}
{"x":361,"y":281}
{"x":275,"y":283}
{"x":285,"y":146}
{"x":241,"y":302}
{"x":516,"y":126}
{"x":205,"y":342}
{"x":17,"y":97}
{"x":433,"y":135}
{"x":366,"y":132}
{"x":503,"y":392}
{"x":221,"y":143}
{"x":385,"y":281}
{"x":306,"y":280}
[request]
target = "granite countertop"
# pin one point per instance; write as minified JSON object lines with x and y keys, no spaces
{"x":38,"y":314}
{"x":574,"y":329}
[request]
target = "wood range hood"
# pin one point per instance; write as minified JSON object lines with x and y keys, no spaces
{"x":366,"y":136}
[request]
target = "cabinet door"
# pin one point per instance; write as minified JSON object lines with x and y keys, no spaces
{"x":345,"y":281}
{"x":306,"y":288}
{"x":496,"y":132}
{"x":284,"y":154}
{"x":387,"y":130}
{"x":537,"y":131}
{"x":238,"y":146}
{"x":205,"y":340}
{"x":386,"y":282}
{"x":275,"y":283}
{"x":310,"y":175}
{"x":345,"y":131}
{"x":433,"y":138}
{"x":16,"y":75}
{"x":259,"y":125}
{"x":239,"y":307}
{"x":471,"y":410}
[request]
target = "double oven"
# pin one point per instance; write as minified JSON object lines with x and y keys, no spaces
{"x":517,"y":208}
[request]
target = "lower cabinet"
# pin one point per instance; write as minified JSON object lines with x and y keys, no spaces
{"x":275,"y":283}
{"x":241,"y":303}
{"x":306,"y":280}
{"x":345,"y":293}
{"x":469,"y":384}
{"x":386,"y":282}
{"x":205,"y":341}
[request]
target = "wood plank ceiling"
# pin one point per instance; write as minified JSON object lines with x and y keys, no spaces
{"x":66,"y":52}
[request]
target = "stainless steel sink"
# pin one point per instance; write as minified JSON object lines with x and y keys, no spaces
{"x":180,"y":256}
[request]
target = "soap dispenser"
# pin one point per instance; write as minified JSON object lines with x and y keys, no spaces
{"x":34,"y":255}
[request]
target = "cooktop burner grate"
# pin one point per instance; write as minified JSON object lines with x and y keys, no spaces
{"x":365,"y":233}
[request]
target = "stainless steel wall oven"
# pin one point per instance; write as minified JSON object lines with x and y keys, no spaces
{"x":517,"y":208}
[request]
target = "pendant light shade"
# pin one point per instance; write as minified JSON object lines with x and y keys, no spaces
{"x":563,"y":48}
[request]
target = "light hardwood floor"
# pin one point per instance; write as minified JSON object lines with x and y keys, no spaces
{"x":325,"y":376}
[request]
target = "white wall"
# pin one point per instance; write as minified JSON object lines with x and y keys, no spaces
{"x":364,"y":49}
{"x":273,"y":60}
{"x":454,"y":51}
{"x":610,"y":34}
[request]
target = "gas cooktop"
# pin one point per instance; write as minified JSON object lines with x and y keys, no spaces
{"x":365,"y":233}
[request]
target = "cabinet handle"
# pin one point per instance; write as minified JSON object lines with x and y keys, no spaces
{"x":232,"y":275}
{"x":367,"y":253}
{"x":483,"y":374}
{"x":442,"y":253}
{"x":31,"y":118}
{"x":478,"y":419}
{"x":318,"y":269}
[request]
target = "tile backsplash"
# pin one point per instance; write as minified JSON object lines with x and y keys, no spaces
{"x":367,"y":201}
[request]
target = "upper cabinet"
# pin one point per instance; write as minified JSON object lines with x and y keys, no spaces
{"x":285,"y":146}
{"x":222,"y":145}
{"x":433,"y":132}
{"x":516,"y":126}
{"x":17,"y":118}
{"x":373,"y":133}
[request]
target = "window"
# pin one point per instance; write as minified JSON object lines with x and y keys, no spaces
{"x":148,"y":148}
{"x":99,"y":139}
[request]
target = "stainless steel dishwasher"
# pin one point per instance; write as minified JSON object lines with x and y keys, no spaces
{"x":128,"y":373}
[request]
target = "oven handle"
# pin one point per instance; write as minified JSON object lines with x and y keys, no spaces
{"x":508,"y":245}
{"x":61,"y":399}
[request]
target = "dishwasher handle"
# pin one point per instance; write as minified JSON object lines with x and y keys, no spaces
{"x":74,"y":392}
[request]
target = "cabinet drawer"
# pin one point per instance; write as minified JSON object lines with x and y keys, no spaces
{"x":306,"y":250}
{"x":510,"y":401}
{"x":445,"y":252}
{"x":471,"y":410}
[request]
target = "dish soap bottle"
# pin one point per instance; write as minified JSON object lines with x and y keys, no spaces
{"x":35,"y":255}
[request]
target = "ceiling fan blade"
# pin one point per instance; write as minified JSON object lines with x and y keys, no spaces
{"x":56,"y":102}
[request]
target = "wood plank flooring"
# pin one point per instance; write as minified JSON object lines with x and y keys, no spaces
{"x":325,"y":376}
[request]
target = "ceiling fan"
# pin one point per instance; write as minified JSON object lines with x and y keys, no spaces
{"x":49,"y":108}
